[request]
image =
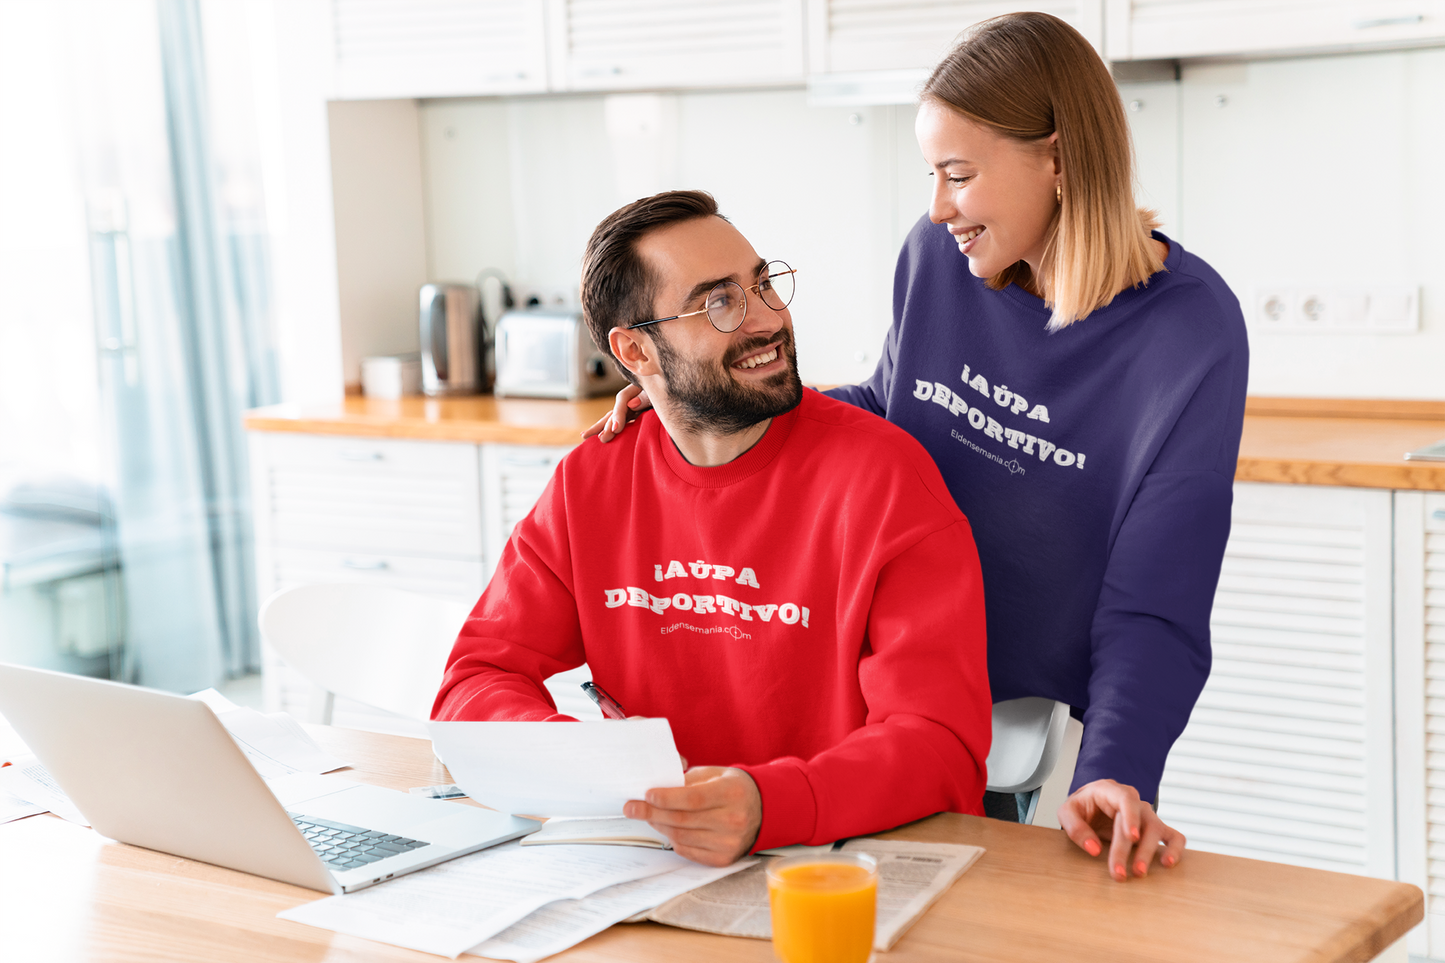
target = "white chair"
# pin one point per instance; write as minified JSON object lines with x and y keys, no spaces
{"x":379,"y":646}
{"x":1031,"y":737}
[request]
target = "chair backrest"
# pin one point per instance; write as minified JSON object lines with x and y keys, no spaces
{"x":381,"y":646}
{"x":1028,"y":735}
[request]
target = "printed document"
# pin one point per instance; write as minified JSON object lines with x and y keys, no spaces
{"x":12,"y":807}
{"x":452,"y":907}
{"x":565,"y":923}
{"x":911,"y":876}
{"x":558,"y":768}
{"x":32,"y":782}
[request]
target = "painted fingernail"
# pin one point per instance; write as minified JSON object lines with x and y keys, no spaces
{"x":1141,"y":868}
{"x":1119,"y":871}
{"x":1134,"y":835}
{"x":1169,"y":860}
{"x":1092,"y":848}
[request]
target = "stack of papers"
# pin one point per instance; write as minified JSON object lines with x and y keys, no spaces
{"x":492,"y":898}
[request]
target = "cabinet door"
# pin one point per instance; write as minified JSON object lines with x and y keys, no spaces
{"x":1420,"y":706}
{"x":438,"y":48}
{"x":857,"y":35}
{"x":370,"y":495}
{"x":637,"y":44}
{"x":1288,"y":755}
{"x":513,"y":478}
{"x":1161,"y":29}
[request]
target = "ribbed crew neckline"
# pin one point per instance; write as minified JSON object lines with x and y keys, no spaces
{"x":749,"y":463}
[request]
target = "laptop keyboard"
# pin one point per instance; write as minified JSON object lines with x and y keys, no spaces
{"x":348,"y":847}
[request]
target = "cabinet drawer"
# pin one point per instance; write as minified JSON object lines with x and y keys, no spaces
{"x":373,"y":495}
{"x":459,"y":580}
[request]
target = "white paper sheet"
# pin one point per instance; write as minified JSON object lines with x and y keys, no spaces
{"x":558,"y":768}
{"x":275,"y":743}
{"x":448,"y":908}
{"x":565,"y":923}
{"x":11,"y":745}
{"x":12,"y":807}
{"x":32,"y":782}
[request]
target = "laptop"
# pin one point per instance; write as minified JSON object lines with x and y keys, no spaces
{"x":160,"y":771}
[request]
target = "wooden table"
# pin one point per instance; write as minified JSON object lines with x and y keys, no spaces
{"x":68,"y":895}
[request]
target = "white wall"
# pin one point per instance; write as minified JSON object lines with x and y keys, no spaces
{"x":519,"y":184}
{"x":1315,"y":170}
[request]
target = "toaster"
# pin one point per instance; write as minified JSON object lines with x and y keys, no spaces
{"x":549,"y":353}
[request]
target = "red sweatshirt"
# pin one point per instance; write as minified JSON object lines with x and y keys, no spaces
{"x":811,"y":612}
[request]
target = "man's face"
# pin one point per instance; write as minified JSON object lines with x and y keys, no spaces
{"x":716,"y":382}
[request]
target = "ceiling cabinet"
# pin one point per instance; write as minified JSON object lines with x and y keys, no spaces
{"x":437,"y":48}
{"x":1168,"y":29}
{"x":846,"y":36}
{"x":642,"y":44}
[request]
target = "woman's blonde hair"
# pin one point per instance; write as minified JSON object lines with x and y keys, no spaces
{"x":1027,"y":75}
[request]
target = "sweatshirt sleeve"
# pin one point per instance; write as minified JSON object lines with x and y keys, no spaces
{"x":1149,"y":640}
{"x":1150,"y":636}
{"x":925,"y":741}
{"x":522,"y":630}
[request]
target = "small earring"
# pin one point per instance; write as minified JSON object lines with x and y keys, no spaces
{"x":1059,"y":193}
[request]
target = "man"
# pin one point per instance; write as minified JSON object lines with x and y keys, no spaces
{"x":783,"y":577}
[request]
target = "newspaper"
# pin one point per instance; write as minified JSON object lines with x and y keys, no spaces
{"x":911,"y":876}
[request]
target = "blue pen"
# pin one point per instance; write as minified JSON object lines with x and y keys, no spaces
{"x":610,"y":707}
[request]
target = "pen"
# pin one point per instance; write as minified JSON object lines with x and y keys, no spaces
{"x":609,"y":706}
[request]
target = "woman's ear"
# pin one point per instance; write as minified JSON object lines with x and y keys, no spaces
{"x":1053,"y":145}
{"x":634,"y":350}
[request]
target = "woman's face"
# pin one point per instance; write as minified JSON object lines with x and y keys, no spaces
{"x":995,"y":193}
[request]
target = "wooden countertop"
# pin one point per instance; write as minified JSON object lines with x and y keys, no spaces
{"x":478,"y":419}
{"x":1350,"y":443}
{"x":1308,"y":441}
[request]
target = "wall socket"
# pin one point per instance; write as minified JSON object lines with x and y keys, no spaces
{"x":1380,"y":309}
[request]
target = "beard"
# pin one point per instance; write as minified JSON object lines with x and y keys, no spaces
{"x":708,"y":399}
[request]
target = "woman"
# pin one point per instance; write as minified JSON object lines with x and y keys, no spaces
{"x":1080,"y":381}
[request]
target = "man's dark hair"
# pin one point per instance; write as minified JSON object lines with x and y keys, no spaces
{"x":617,"y":287}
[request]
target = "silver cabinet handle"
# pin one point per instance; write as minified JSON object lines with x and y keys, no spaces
{"x":1404,"y":21}
{"x":361,"y":454}
{"x":523,"y":461}
{"x":365,"y":564}
{"x":1438,"y":514}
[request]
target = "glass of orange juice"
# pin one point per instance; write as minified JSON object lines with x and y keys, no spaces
{"x":823,"y":907}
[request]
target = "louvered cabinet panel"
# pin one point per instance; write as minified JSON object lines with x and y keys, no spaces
{"x":438,"y":48}
{"x":373,"y":496}
{"x":1287,"y":755}
{"x":642,"y":44}
{"x":1163,"y":29}
{"x":514,"y":477}
{"x":1420,"y":706}
{"x":846,"y":36}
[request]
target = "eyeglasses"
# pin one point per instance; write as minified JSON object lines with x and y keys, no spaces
{"x":727,"y":303}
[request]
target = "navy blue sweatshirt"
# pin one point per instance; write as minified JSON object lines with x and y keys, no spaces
{"x":1096,"y":466}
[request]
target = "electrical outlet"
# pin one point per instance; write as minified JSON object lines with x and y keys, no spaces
{"x":1385,"y":309}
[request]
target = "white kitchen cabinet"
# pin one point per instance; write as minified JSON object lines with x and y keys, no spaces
{"x":1420,"y":706}
{"x":437,"y":48}
{"x":514,"y":477}
{"x":1288,"y":755}
{"x":422,"y":516}
{"x":846,"y":36}
{"x":1170,"y":29}
{"x":650,"y":44}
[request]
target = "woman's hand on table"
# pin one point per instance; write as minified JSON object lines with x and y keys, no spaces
{"x":1107,"y":810}
{"x":714,"y":819}
{"x":631,"y":400}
